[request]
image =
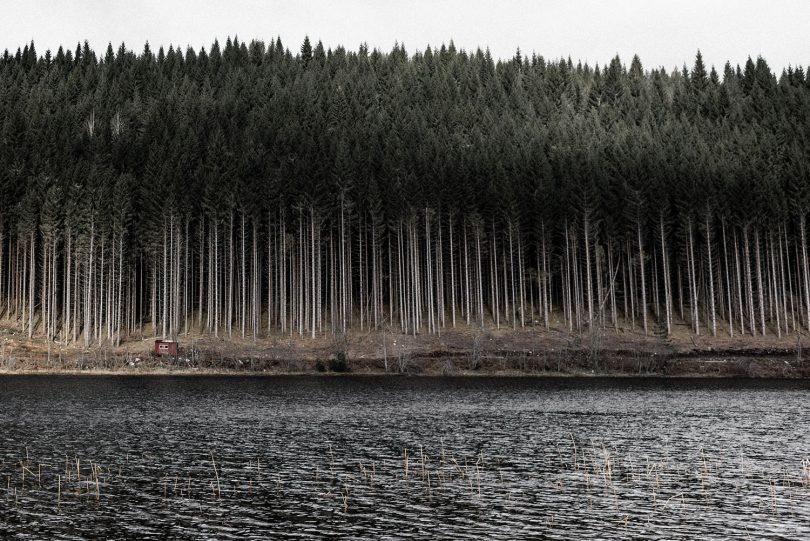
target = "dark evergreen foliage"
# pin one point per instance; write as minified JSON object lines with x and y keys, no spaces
{"x":249,"y":188}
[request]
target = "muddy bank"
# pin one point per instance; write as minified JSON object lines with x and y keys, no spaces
{"x":562,"y":362}
{"x":466,"y":351}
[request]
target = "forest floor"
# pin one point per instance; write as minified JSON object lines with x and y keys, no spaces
{"x":461,"y":351}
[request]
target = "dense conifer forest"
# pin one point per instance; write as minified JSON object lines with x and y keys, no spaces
{"x":249,"y":190}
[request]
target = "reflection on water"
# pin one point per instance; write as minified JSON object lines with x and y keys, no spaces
{"x":242,"y":458}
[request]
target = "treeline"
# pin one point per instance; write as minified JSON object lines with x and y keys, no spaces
{"x":246,"y":190}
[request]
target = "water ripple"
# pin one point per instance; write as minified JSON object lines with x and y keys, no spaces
{"x":403,"y":458}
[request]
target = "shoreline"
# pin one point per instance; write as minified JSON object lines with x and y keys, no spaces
{"x":573,"y":364}
{"x":529,"y":352}
{"x":373,"y":375}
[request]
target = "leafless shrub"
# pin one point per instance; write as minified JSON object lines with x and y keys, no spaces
{"x":403,"y":360}
{"x":595,"y":345}
{"x":475,"y":354}
{"x":449,"y":368}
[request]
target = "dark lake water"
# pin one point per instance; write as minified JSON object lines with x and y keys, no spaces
{"x":297,"y":457}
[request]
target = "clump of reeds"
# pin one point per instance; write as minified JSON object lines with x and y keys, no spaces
{"x":622,"y":483}
{"x":216,"y":475}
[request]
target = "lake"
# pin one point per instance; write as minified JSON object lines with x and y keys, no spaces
{"x":403,"y":457}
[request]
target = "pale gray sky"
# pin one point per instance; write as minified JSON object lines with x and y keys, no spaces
{"x":663,"y":33}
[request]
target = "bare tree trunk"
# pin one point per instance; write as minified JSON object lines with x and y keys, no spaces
{"x":588,"y":269}
{"x":759,"y":281}
{"x":546,"y":279}
{"x":665,"y":269}
{"x":728,"y":281}
{"x":711,"y":274}
{"x":693,"y":292}
{"x":453,"y":273}
{"x":643,"y":282}
{"x":805,"y":272}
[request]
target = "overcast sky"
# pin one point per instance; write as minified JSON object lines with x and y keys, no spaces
{"x":663,"y":33}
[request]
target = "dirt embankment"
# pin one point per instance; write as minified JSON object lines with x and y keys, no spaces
{"x":463,"y":351}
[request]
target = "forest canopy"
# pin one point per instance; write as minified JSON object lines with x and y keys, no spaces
{"x":251,"y":189}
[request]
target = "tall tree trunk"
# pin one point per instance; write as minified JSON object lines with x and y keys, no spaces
{"x":643,"y":279}
{"x":711,"y":274}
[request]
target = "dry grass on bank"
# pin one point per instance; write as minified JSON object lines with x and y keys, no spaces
{"x":464,"y":350}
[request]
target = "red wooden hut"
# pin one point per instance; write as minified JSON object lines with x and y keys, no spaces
{"x":165,"y":348}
